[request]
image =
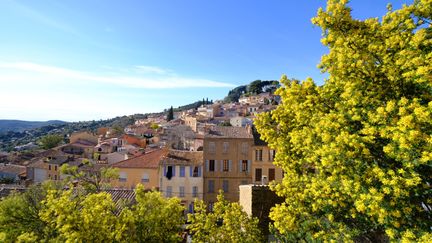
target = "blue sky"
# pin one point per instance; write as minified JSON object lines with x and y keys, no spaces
{"x":88,"y":60}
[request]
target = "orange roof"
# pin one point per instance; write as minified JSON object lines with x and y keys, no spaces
{"x":148,"y":160}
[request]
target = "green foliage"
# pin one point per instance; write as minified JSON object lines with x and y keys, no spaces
{"x":50,"y":141}
{"x":47,"y":214}
{"x":154,"y":126}
{"x":19,"y":214}
{"x":170,"y":115}
{"x":234,"y":94}
{"x":356,"y":151}
{"x":79,"y":218}
{"x":227,"y":223}
{"x":154,"y":218}
{"x":89,"y":176}
{"x":255,"y":87}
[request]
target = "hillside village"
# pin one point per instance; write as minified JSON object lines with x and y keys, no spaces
{"x":191,"y":155}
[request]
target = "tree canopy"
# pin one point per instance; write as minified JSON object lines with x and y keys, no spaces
{"x":50,"y":141}
{"x":49,"y":214}
{"x":357,"y":150}
{"x":226,"y":223}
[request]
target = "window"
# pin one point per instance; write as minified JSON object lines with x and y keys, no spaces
{"x":182,"y":171}
{"x":122,"y":176}
{"x":225,"y":147}
{"x":195,"y":191}
{"x":212,"y":147}
{"x":212,"y":165}
{"x":244,"y":166}
{"x":168,"y":192}
{"x":191,"y":207}
{"x":225,"y":185}
{"x":170,"y":172}
{"x":244,"y":148}
{"x":182,"y":191}
{"x":55,"y":177}
{"x":271,"y":174}
{"x":49,"y":167}
{"x":55,"y":167}
{"x":258,"y":155}
{"x":211,"y":186}
{"x":258,"y":174}
{"x":272,"y":154}
{"x":196,"y":172}
{"x":145,"y":178}
{"x":225,"y":165}
{"x":210,"y":206}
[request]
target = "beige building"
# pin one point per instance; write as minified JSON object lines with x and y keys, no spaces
{"x":228,"y":162}
{"x":143,"y":169}
{"x":263,"y":169}
{"x":181,"y":176}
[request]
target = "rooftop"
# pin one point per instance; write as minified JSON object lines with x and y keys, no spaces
{"x":147,"y":160}
{"x":229,"y":132}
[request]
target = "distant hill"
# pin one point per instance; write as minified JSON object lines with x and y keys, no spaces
{"x":253,"y":88}
{"x":20,"y":126}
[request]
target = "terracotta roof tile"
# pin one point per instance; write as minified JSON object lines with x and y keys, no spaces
{"x":147,"y":160}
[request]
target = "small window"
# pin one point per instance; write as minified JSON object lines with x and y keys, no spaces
{"x":168,"y":191}
{"x":169,"y":172}
{"x":225,"y":165}
{"x":258,"y":155}
{"x":210,"y":206}
{"x":272,"y":154}
{"x":212,"y":147}
{"x":225,"y":185}
{"x":211,"y":186}
{"x":271,"y":172}
{"x":122,"y":176}
{"x":244,"y":148}
{"x":258,"y":174}
{"x":195,"y":191}
{"x":182,"y":171}
{"x":195,"y":172}
{"x":145,"y":178}
{"x":212,"y":165}
{"x":225,"y":147}
{"x":182,"y":191}
{"x":244,"y":165}
{"x":55,"y":167}
{"x":49,"y":167}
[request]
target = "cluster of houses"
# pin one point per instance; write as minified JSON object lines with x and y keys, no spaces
{"x":194,"y":156}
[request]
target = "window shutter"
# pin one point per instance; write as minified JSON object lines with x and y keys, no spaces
{"x":191,"y":171}
{"x":249,"y":166}
{"x":221,"y":165}
{"x":207,"y":166}
{"x":215,"y":165}
{"x":165,"y":169}
{"x":230,"y":165}
{"x":173,"y":169}
{"x":240,"y":166}
{"x":199,"y":171}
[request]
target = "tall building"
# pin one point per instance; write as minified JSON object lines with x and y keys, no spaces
{"x":228,"y":162}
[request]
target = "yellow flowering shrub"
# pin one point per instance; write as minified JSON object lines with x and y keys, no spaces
{"x":357,"y":150}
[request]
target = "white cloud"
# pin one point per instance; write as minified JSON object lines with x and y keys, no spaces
{"x":163,"y":79}
{"x":152,"y":69}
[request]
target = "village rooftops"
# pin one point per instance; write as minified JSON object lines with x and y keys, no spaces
{"x":229,"y":132}
{"x":147,"y":160}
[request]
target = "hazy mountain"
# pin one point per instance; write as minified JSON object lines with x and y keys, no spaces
{"x":19,"y":126}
